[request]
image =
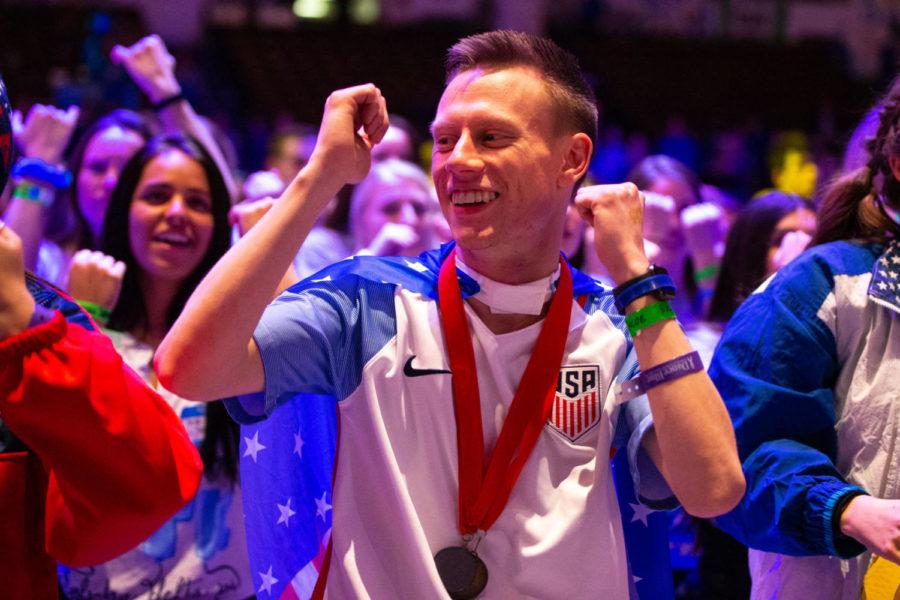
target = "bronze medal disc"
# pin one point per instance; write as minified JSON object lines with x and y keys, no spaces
{"x":462,"y":572}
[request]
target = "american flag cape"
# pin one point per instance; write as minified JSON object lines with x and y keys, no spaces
{"x":646,"y":539}
{"x":287,"y":463}
{"x":286,"y":475}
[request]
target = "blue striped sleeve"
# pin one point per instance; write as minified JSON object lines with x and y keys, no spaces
{"x":316,"y":338}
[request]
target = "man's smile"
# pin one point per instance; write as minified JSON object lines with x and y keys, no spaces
{"x":463,"y":197}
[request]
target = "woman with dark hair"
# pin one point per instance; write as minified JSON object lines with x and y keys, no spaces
{"x":168,"y":223}
{"x":808,"y":369}
{"x":768,"y":233}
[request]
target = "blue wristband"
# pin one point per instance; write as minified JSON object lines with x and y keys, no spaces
{"x":645,"y":287}
{"x":38,"y":170}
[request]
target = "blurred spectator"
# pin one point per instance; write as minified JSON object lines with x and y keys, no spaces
{"x":71,"y":217}
{"x":399,"y":142}
{"x":393,"y":210}
{"x":688,"y":235}
{"x":768,"y":233}
{"x":289,"y":150}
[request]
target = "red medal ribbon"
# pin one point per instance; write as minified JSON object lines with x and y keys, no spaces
{"x":483,"y":495}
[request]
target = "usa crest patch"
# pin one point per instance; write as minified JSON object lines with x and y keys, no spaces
{"x":576,"y":407}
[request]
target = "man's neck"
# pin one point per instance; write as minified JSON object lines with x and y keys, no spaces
{"x":517,"y":270}
{"x":520,"y":267}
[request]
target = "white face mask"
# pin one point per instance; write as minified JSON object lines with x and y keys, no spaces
{"x":504,"y":299}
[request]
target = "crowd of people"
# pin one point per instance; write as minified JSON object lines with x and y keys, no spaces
{"x":489,"y":334}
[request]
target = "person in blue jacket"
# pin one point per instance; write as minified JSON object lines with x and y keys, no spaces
{"x":809,"y":368}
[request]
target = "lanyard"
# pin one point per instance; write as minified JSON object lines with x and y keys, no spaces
{"x":482,"y":496}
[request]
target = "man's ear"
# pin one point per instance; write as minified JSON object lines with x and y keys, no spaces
{"x":576,"y":159}
{"x":894,"y":162}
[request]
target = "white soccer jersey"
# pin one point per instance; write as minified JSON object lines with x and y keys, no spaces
{"x":367,"y":331}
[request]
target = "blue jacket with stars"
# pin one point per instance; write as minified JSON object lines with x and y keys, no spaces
{"x":808,"y":370}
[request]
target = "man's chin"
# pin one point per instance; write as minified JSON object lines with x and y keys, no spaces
{"x":474,"y":240}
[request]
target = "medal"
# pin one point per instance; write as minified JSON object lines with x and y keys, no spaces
{"x":463,"y":574}
{"x":483,"y":493}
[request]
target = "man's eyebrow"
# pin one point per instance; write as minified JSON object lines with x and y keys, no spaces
{"x":493,"y":119}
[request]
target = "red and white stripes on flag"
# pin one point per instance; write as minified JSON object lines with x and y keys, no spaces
{"x":574,"y":416}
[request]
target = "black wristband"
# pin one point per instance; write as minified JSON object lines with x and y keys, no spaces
{"x":651,"y":271}
{"x":168,"y":101}
{"x":836,"y":534}
{"x":655,"y":282}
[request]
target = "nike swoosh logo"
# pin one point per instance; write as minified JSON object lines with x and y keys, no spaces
{"x":411,"y":371}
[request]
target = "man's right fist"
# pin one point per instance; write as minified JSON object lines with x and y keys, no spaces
{"x":355,"y":119}
{"x":96,"y":277}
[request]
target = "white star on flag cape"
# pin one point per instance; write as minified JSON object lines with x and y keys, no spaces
{"x":641,"y":513}
{"x":322,"y":506}
{"x":267,"y":581}
{"x":298,"y":444}
{"x":286,"y":513}
{"x":253,"y":446}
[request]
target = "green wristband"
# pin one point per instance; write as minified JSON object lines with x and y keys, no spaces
{"x":99,"y":314}
{"x":707,"y":272}
{"x":39,"y":194}
{"x":647,"y":316}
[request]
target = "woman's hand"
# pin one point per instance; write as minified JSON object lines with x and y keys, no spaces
{"x":45,"y":132}
{"x":875,"y":523}
{"x":150,"y":66}
{"x":248,"y":213}
{"x":792,"y":245}
{"x":393,"y":239}
{"x":704,"y":233}
{"x":96,"y":277}
{"x":16,"y":304}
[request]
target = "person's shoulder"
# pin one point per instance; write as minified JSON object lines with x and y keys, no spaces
{"x":417,"y":274}
{"x":813,"y":273}
{"x":846,"y":257}
{"x":596,"y":298}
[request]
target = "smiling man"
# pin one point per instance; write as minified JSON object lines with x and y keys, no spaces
{"x":479,"y":385}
